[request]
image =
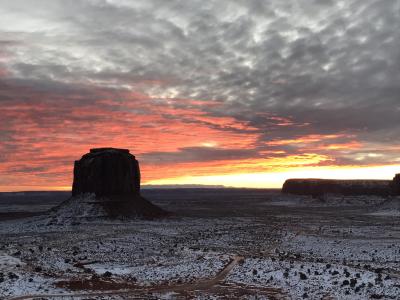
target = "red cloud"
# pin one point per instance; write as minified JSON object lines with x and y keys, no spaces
{"x":44,"y":130}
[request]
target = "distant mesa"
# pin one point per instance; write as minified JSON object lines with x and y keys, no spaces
{"x":107,"y":184}
{"x":183,"y":186}
{"x":318,"y":187}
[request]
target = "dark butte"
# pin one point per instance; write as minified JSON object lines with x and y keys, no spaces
{"x":106,"y":172}
{"x":113,"y":175}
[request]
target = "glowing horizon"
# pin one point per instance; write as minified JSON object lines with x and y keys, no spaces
{"x":257,"y":180}
{"x":275,"y":180}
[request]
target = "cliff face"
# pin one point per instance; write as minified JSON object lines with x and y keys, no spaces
{"x":396,"y":185}
{"x":106,"y":172}
{"x":317,"y":187}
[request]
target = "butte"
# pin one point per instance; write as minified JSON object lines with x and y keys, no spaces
{"x":106,"y":185}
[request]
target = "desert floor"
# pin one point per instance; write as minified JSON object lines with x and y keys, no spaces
{"x":218,"y":244}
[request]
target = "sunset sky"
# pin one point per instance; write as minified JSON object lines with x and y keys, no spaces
{"x":239,"y":93}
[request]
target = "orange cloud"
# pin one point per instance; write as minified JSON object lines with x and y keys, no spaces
{"x":43,"y":132}
{"x":47,"y":133}
{"x":344,"y":146}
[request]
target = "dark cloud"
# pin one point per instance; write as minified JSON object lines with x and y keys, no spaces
{"x":198,"y":154}
{"x":25,"y":169}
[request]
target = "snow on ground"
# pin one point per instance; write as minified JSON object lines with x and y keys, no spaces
{"x":15,"y":279}
{"x":345,"y":247}
{"x":325,"y":200}
{"x":314,"y":280}
{"x":192,"y":265}
{"x":144,"y":252}
{"x":77,"y":209}
{"x":8,"y":262}
{"x":303,"y":247}
{"x":386,"y":213}
{"x":389,"y":208}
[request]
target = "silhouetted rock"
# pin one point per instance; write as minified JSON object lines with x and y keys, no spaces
{"x":106,"y":185}
{"x":105,"y":172}
{"x":396,"y":185}
{"x":318,"y":187}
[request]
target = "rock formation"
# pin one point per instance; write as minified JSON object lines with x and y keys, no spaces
{"x":396,"y":185}
{"x":106,"y":172}
{"x":318,"y":187}
{"x":107,"y":184}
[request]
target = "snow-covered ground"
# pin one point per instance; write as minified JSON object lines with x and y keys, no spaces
{"x":292,"y":248}
{"x":304,"y":279}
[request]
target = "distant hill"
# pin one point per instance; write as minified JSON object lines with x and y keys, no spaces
{"x":182,"y":186}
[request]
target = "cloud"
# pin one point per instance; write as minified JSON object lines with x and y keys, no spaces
{"x":198,"y":154}
{"x":165,"y":77}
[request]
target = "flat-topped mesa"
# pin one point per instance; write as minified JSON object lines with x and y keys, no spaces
{"x":317,"y":187}
{"x":396,"y":185}
{"x":106,"y":185}
{"x":107,"y":172}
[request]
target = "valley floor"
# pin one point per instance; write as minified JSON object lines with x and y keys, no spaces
{"x":220,"y":244}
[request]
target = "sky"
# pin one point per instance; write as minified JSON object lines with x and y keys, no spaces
{"x":240,"y":93}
